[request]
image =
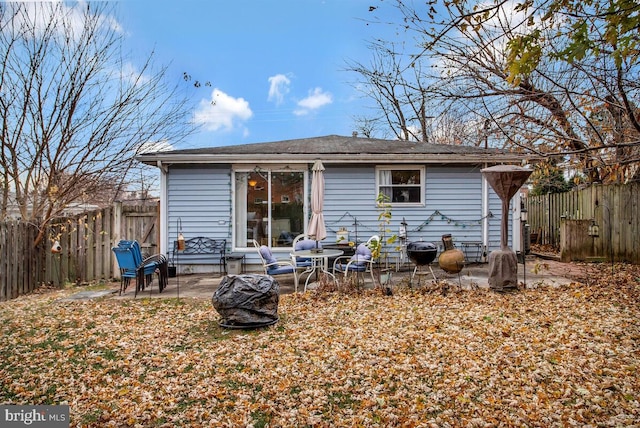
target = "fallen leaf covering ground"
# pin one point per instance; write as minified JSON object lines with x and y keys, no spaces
{"x":565,"y":356}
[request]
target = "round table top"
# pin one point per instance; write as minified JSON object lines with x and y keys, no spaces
{"x":314,"y":254}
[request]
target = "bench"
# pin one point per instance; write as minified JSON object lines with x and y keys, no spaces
{"x":201,"y":250}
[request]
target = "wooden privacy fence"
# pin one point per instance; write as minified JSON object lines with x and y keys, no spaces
{"x":85,"y":241}
{"x":21,"y":265}
{"x":614,"y":209}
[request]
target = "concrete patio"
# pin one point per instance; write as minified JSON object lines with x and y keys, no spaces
{"x":534,"y":273}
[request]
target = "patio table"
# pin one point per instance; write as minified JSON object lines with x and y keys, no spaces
{"x":320,"y":261}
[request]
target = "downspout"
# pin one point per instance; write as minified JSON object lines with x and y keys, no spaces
{"x":485,"y":217}
{"x":164,"y":229}
{"x":516,"y":226}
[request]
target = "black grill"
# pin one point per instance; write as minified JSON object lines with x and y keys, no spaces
{"x":422,"y":253}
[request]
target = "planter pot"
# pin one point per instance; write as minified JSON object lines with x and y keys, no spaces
{"x":173,"y":271}
{"x":451,"y":261}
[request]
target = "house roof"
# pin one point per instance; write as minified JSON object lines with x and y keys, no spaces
{"x":334,"y":149}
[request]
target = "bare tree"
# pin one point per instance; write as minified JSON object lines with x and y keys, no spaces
{"x":517,"y":70}
{"x":74,"y":112}
{"x":403,"y":103}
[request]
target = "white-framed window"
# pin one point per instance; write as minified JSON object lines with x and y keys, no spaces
{"x":268,"y":205}
{"x":402,"y":185}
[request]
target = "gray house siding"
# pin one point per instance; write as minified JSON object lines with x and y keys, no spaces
{"x":453,"y":205}
{"x":200,"y":199}
{"x":350,"y":196}
{"x":457,"y":194}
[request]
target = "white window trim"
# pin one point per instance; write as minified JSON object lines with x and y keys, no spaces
{"x":422,"y":170}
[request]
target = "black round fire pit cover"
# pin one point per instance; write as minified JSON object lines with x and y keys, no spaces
{"x":222,"y":323}
{"x":247,"y":301}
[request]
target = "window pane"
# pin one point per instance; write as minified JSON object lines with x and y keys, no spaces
{"x":251,"y":208}
{"x":287,"y":207}
{"x":406,"y":194}
{"x":405,"y":177}
{"x":253,"y":220}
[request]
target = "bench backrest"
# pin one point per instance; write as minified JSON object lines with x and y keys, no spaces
{"x":201,"y":250}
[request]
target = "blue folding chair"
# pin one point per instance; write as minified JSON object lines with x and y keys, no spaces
{"x":144,"y":268}
{"x":127,"y":265}
{"x":149,"y":268}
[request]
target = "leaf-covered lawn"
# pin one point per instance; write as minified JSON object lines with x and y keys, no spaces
{"x":565,"y":356}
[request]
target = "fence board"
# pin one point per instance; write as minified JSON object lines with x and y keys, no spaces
{"x":86,"y":242}
{"x":614,"y":208}
{"x":575,"y":242}
{"x":17,"y":273}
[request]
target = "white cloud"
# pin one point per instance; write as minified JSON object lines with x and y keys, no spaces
{"x":316,"y":99}
{"x":40,"y":15}
{"x":222,"y":111}
{"x":130,"y":73}
{"x":278,"y":88}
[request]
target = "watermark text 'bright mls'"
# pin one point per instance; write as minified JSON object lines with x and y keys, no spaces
{"x":34,"y":416}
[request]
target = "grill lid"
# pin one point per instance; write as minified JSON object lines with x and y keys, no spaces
{"x":422,"y":252}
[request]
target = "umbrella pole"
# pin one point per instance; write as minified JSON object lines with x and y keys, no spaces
{"x":315,"y":261}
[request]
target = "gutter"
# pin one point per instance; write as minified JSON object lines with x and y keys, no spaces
{"x":161,"y":167}
{"x":163,"y":161}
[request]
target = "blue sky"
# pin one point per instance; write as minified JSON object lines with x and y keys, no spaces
{"x":276,"y":67}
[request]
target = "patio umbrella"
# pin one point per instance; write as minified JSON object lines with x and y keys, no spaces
{"x":317,"y":229}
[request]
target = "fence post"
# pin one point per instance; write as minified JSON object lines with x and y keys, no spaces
{"x":116,"y":236}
